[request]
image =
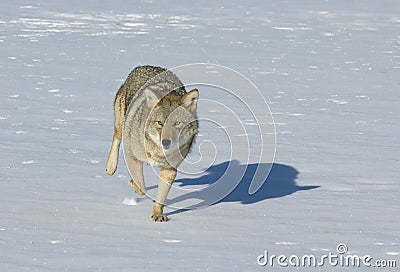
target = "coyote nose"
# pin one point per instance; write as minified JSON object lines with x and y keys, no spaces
{"x":166,"y":143}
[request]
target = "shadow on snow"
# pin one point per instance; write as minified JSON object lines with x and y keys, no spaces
{"x":280,"y":182}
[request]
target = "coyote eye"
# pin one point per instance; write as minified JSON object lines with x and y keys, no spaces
{"x":159,"y":123}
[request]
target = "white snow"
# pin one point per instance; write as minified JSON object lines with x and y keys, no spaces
{"x":129,"y":201}
{"x":328,"y":69}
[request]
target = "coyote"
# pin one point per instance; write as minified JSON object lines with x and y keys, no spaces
{"x":157,"y":119}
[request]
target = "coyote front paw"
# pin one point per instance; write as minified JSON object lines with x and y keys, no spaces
{"x":136,"y":188}
{"x":159,"y":217}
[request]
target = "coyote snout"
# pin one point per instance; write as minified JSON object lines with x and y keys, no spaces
{"x":166,"y":143}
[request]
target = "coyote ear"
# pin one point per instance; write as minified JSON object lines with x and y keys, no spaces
{"x":189,"y":100}
{"x":151,"y":98}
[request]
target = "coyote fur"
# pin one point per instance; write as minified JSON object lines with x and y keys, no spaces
{"x":157,"y":119}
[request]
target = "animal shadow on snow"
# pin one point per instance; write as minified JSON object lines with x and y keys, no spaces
{"x":280,"y":182}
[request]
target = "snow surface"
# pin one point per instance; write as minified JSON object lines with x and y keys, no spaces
{"x":329,"y":69}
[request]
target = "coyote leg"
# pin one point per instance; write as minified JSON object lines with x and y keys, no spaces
{"x":167,"y":177}
{"x":119,"y":120}
{"x":136,"y":170}
{"x":112,"y":160}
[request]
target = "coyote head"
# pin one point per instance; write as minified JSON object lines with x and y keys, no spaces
{"x":172,"y":121}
